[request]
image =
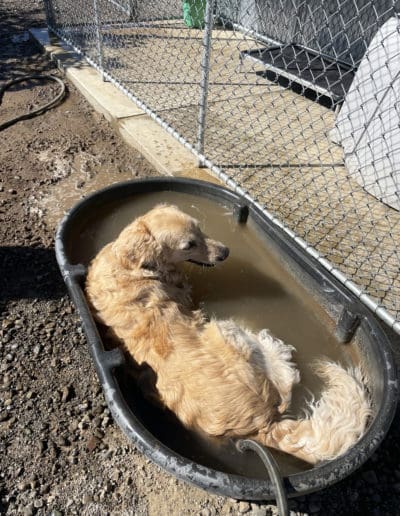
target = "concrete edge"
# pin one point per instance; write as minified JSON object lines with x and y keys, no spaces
{"x":139,"y":130}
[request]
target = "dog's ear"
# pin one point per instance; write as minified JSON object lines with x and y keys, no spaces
{"x":136,"y":247}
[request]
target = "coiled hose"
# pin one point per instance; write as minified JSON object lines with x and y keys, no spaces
{"x":41,"y":109}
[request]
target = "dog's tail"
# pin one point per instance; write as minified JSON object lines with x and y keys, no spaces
{"x":334,"y":423}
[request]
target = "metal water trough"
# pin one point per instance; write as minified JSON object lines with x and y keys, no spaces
{"x":352,"y":321}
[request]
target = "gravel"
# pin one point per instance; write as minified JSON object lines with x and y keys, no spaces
{"x":61,"y":453}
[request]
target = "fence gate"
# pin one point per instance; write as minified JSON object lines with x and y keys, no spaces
{"x":293,"y":103}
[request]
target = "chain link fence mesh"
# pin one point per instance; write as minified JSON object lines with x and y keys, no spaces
{"x":294,"y":101}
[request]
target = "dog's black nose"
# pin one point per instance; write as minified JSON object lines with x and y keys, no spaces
{"x":223,"y":254}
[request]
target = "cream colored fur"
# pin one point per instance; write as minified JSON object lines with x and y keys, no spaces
{"x":217,"y":377}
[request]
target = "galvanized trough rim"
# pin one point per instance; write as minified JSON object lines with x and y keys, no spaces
{"x":107,"y":362}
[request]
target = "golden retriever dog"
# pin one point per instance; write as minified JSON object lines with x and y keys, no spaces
{"x":216,"y":377}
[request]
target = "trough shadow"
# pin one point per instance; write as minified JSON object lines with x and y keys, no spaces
{"x":29,"y":273}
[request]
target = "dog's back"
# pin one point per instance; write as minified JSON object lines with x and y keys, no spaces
{"x":215,"y":376}
{"x":206,"y":382}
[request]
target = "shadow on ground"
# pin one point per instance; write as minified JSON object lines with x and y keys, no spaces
{"x":29,"y":273}
{"x":16,"y":48}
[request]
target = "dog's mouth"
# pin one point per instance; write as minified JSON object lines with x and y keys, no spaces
{"x":202,"y":264}
{"x":220,"y":256}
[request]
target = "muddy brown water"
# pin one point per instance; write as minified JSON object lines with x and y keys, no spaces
{"x":252,"y":287}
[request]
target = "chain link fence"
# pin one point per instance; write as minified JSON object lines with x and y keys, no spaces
{"x":294,"y":103}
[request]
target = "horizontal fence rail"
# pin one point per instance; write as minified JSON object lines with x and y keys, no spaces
{"x":293,"y":103}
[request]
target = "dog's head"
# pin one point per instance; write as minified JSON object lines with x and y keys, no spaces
{"x":166,"y":235}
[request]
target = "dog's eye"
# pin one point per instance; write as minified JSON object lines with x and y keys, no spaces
{"x":190,"y":244}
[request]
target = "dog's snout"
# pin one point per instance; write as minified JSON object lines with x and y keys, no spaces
{"x":222,"y":254}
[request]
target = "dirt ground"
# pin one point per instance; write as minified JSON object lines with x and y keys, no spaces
{"x":60,"y":451}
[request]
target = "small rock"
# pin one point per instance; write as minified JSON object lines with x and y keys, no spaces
{"x":82,"y":425}
{"x":205,"y":512}
{"x":44,"y":489}
{"x":244,"y":507}
{"x":19,"y":471}
{"x":6,"y":380}
{"x":66,"y":393}
{"x":28,"y":511}
{"x":6,"y":323}
{"x":73,"y":426}
{"x":92,"y":443}
{"x":115,"y":475}
{"x":107,"y":454}
{"x":97,"y":422}
{"x":258,"y":510}
{"x":87,"y":498}
{"x":12,"y":191}
{"x":23,"y":486}
{"x":105,"y":422}
{"x":33,"y":482}
{"x":9,"y":422}
{"x":38,"y":503}
{"x":98,"y":433}
{"x":82,"y":407}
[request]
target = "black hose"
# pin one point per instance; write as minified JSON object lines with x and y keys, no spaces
{"x":40,"y":109}
{"x":273,"y":471}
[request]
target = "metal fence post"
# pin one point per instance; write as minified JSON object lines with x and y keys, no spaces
{"x":205,"y":67}
{"x":132,"y":9}
{"x":99,"y":39}
{"x":49,"y":10}
{"x":48,"y":7}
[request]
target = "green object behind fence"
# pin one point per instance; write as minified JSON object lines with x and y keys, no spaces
{"x":193,"y":13}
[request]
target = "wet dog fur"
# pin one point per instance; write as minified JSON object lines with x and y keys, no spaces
{"x":215,"y":376}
